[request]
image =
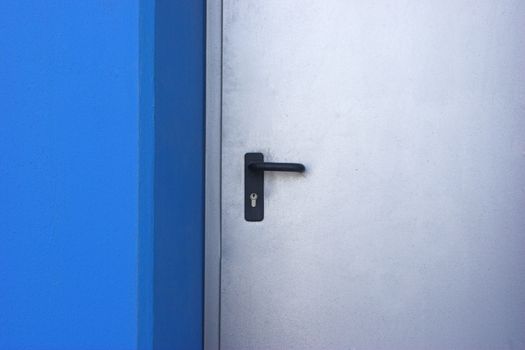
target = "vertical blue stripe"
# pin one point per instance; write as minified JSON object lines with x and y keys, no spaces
{"x":146,"y":174}
{"x":179,"y":173}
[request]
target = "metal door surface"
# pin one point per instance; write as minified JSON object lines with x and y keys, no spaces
{"x":407,"y":230}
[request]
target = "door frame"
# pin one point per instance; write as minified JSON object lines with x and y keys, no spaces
{"x":213,"y":149}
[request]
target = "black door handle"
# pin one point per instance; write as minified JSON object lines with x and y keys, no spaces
{"x":268,"y":166}
{"x":254,"y":168}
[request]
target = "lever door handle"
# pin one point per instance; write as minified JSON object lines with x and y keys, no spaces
{"x":254,"y":168}
{"x":268,"y":166}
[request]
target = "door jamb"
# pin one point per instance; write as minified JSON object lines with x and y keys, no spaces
{"x":213,"y":150}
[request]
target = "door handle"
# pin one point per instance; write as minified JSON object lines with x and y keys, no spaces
{"x":269,"y":166}
{"x":254,"y":168}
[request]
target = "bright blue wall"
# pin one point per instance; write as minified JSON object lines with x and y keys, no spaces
{"x":68,"y":174}
{"x":101,"y":174}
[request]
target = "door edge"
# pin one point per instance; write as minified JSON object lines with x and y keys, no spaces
{"x":213,"y":150}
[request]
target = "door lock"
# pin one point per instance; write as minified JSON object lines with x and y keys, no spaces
{"x":254,"y":168}
{"x":253,"y":198}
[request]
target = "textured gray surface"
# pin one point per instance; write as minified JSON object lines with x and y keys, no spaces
{"x":407,"y":230}
{"x":213,"y":174}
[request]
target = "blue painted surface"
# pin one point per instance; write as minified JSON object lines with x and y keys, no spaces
{"x":101,"y":174}
{"x":179,"y":173}
{"x":145,"y":320}
{"x":68,"y":174}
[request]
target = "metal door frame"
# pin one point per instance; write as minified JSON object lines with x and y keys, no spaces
{"x":213,"y":149}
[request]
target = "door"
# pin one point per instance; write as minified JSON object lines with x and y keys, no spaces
{"x":407,"y":229}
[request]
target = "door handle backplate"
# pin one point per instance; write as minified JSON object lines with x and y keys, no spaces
{"x":254,"y":168}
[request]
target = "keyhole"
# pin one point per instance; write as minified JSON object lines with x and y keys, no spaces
{"x":253,"y":198}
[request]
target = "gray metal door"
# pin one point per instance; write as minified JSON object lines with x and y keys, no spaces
{"x":407,"y":230}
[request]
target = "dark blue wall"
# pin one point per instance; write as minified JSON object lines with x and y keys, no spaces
{"x":101,"y":142}
{"x":179,"y":151}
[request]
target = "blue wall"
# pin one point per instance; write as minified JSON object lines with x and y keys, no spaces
{"x":179,"y":145}
{"x":101,"y":174}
